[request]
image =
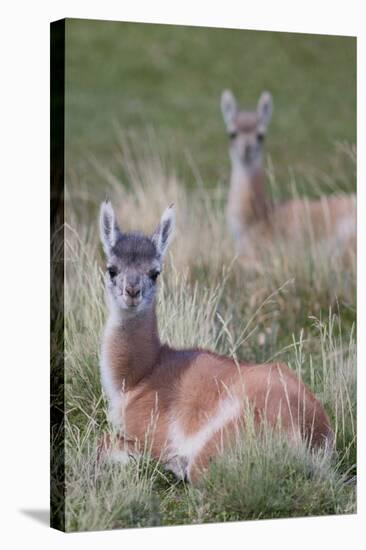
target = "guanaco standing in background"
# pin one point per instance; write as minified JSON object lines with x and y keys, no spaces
{"x":184,"y":404}
{"x":253,"y":219}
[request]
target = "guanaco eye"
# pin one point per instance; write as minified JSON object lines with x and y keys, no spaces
{"x":154,"y":274}
{"x":232,"y":135}
{"x":112,"y":272}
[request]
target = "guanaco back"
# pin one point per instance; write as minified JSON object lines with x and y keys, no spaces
{"x":253,"y":219}
{"x":184,"y":404}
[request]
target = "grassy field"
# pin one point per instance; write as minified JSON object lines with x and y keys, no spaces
{"x":144,"y":128}
{"x":170,"y":79}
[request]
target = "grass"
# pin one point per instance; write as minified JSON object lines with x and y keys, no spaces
{"x":143,"y":128}
{"x":171,"y":78}
{"x":209,"y":299}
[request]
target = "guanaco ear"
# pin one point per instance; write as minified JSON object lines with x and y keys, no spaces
{"x":264,"y":109}
{"x":108,"y":226}
{"x":163,"y":234}
{"x":229,"y":109}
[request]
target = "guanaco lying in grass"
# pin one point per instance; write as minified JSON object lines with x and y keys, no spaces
{"x":185,"y":405}
{"x":253,"y":219}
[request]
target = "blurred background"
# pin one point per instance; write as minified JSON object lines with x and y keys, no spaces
{"x":169,"y":78}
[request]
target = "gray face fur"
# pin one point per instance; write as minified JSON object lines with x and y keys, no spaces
{"x":134,"y":261}
{"x":246,"y":129}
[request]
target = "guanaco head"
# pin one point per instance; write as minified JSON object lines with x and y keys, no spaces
{"x":134,"y":260}
{"x":246,"y":129}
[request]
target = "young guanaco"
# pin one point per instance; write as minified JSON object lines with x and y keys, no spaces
{"x":185,"y":404}
{"x":253,"y":219}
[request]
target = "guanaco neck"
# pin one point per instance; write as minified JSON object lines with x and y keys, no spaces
{"x":247,"y":202}
{"x":131,"y":347}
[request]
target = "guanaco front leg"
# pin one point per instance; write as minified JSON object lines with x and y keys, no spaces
{"x":116,"y":448}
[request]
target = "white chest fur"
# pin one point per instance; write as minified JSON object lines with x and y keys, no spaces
{"x":116,"y":396}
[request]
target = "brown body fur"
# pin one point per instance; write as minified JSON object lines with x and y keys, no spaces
{"x":188,"y":384}
{"x":259,"y":222}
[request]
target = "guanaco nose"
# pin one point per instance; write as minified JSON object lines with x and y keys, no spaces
{"x":132,"y":285}
{"x":133,"y":290}
{"x":248,"y":152}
